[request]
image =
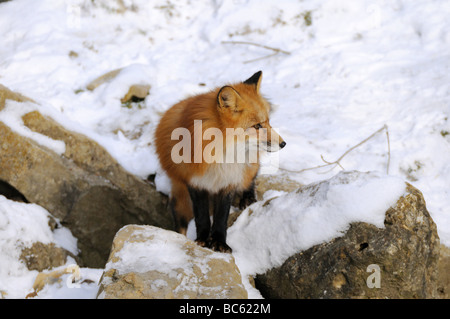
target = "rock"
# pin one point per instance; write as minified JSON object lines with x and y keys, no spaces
{"x":85,"y":187}
{"x":404,"y":255}
{"x":7,"y":94}
{"x":152,"y":263}
{"x":274,"y":182}
{"x":11,"y":193}
{"x":44,"y":256}
{"x":264,"y":183}
{"x":443,"y":282}
{"x":136,"y":91}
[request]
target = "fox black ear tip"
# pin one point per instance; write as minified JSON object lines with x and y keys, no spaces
{"x":254,"y":78}
{"x":257,"y":74}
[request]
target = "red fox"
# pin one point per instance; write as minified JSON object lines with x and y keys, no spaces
{"x":212,"y":172}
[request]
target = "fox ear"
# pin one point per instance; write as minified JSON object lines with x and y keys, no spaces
{"x":227,"y":97}
{"x":255,"y":80}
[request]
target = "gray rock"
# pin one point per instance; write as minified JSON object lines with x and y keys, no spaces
{"x":406,"y":253}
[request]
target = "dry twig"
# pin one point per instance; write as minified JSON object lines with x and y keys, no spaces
{"x":338,"y":161}
{"x":276,"y":50}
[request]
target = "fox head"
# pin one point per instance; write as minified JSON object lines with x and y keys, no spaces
{"x":241,"y":106}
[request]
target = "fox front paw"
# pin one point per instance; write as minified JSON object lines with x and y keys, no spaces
{"x":202,"y":243}
{"x":220,"y":246}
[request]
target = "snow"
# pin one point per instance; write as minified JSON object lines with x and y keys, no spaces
{"x":20,"y":226}
{"x":270,"y":231}
{"x":153,"y":248}
{"x":166,"y":252}
{"x":353,"y":67}
{"x":66,"y":288}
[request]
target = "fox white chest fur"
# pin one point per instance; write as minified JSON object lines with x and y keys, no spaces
{"x":220,"y":176}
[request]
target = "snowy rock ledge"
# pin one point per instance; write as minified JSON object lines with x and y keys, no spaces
{"x":356,"y":235}
{"x":150,"y":262}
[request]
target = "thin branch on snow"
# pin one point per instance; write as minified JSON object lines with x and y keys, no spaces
{"x":276,"y":50}
{"x":338,"y":161}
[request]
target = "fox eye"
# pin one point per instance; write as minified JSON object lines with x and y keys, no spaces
{"x":257,"y":126}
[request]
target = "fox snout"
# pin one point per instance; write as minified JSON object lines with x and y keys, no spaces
{"x":274,"y":142}
{"x":275,"y":147}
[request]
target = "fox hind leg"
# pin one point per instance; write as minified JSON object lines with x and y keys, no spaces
{"x":248,"y":196}
{"x":181,"y":206}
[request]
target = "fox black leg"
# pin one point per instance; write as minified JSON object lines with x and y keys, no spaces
{"x":200,"y":203}
{"x":222,"y":203}
{"x":248,"y":196}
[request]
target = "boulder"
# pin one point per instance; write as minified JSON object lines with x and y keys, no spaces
{"x":84,"y":187}
{"x":397,"y":261}
{"x":152,"y":263}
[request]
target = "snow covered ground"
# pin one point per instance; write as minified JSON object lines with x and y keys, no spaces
{"x":353,"y":66}
{"x":20,"y":226}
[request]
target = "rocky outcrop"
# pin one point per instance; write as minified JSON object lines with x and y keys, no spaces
{"x":397,"y":261}
{"x":84,"y":187}
{"x":149,"y":262}
{"x":92,"y":195}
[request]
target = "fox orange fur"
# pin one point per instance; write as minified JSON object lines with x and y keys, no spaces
{"x":197,"y":183}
